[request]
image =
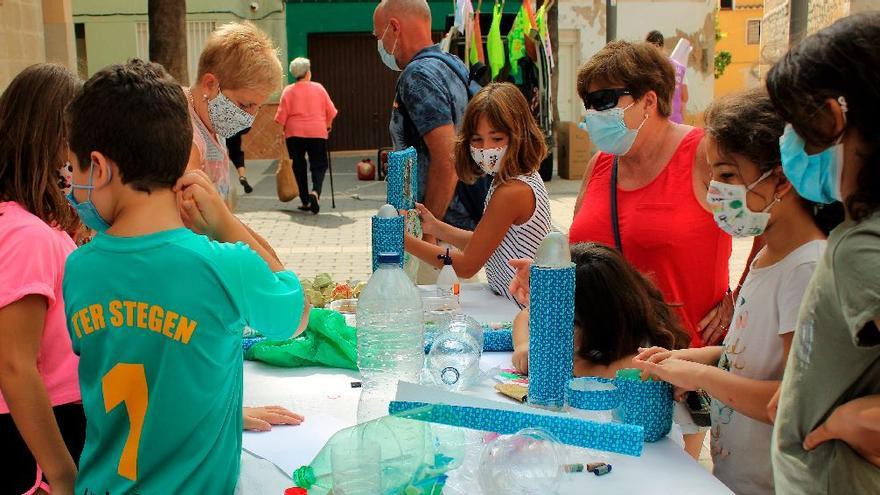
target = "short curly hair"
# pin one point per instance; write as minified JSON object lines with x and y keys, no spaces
{"x":637,"y":67}
{"x":242,"y":56}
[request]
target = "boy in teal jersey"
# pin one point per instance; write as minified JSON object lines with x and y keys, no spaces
{"x":156,"y":311}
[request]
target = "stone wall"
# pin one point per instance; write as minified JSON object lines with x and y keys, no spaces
{"x":22,"y":41}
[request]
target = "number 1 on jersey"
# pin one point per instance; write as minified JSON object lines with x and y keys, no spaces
{"x":127,"y":383}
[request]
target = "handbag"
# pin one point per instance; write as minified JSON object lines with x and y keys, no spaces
{"x":285,"y":183}
{"x":615,"y":225}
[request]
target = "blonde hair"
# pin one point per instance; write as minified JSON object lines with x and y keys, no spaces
{"x":242,"y":56}
{"x":508,"y":111}
{"x":299,"y":67}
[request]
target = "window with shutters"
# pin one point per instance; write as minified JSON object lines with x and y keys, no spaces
{"x":753,"y":32}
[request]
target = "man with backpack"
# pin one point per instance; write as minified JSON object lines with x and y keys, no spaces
{"x":432,"y":93}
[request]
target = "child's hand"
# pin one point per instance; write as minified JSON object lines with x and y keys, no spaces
{"x":773,"y":405}
{"x":683,"y":375}
{"x":262,"y":418}
{"x":202,"y":209}
{"x":854,"y":423}
{"x":519,"y":284}
{"x":430,"y":223}
{"x":520,"y":360}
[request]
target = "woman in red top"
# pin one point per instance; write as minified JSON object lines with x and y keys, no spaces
{"x":645,"y":191}
{"x":665,"y":226}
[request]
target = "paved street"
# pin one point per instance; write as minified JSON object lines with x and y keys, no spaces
{"x":337,"y":241}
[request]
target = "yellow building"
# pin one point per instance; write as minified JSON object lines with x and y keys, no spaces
{"x":740,"y":25}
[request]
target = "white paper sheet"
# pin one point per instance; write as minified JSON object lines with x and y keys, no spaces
{"x":290,"y":447}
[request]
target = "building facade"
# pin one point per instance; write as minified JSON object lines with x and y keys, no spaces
{"x":33,"y":31}
{"x":739,"y":25}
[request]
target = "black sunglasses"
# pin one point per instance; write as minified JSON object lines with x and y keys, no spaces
{"x":604,"y":99}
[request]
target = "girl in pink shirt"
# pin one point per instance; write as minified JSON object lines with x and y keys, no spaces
{"x":41,"y":416}
{"x":306,"y":112}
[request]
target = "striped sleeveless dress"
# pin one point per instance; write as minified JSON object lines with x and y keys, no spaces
{"x":520,"y":241}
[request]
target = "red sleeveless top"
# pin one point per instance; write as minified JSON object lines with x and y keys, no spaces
{"x":665,"y":232}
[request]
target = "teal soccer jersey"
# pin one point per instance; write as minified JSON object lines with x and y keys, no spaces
{"x":157,"y":322}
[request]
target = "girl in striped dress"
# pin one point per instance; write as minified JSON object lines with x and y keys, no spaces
{"x":498,"y":137}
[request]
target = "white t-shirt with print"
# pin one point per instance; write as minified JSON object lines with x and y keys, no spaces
{"x":766,"y":309}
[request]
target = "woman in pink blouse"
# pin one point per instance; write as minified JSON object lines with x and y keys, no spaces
{"x":306,"y":112}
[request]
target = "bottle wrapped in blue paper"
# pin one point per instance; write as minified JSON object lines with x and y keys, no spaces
{"x":647,"y":404}
{"x":403,"y":178}
{"x":551,"y":323}
{"x":387,"y":235}
{"x":403,"y":192}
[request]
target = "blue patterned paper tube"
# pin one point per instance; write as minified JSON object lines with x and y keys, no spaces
{"x":551,"y":335}
{"x":647,"y":404}
{"x":403,"y":178}
{"x":387,"y":237}
{"x":611,"y":437}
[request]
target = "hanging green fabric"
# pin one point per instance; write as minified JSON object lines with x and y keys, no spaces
{"x":516,"y":41}
{"x":327,"y":341}
{"x":494,"y":45}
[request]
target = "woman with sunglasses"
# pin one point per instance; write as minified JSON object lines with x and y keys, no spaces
{"x":827,"y":434}
{"x":645,"y":191}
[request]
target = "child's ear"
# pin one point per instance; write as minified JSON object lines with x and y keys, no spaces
{"x":102,"y":169}
{"x":783,"y":185}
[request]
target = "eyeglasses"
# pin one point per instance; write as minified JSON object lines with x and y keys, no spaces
{"x":604,"y":99}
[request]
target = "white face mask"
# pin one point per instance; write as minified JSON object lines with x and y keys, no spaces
{"x":488,"y":159}
{"x":227,"y":118}
{"x":731,"y":212}
{"x":388,"y":58}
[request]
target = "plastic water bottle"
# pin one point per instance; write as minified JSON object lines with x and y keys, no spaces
{"x":391,"y":336}
{"x":454,"y":359}
{"x":403,"y":446}
{"x":528,"y":462}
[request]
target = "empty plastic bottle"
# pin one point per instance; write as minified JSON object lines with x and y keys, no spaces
{"x":454,"y":359}
{"x":391,"y":336}
{"x":527,"y":462}
{"x":404,"y":445}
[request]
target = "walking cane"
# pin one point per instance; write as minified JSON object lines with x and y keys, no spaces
{"x":330,"y":169}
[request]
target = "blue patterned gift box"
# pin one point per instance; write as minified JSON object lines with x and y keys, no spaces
{"x":648,"y":404}
{"x":551,"y":335}
{"x":610,"y":437}
{"x":387,"y":237}
{"x":403,"y":178}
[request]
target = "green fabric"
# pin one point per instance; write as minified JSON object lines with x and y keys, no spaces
{"x":516,"y":40}
{"x":327,"y":341}
{"x":157,"y":322}
{"x":834,"y":359}
{"x":494,"y":45}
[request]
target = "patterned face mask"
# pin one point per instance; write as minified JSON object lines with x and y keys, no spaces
{"x":488,"y":159}
{"x":65,"y":178}
{"x":732,"y":214}
{"x":227,"y":118}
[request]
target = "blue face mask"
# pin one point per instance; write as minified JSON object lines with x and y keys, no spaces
{"x":86,"y":210}
{"x":814,"y":177}
{"x":609,"y":132}
{"x":388,"y":58}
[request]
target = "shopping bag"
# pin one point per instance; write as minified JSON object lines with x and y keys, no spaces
{"x":284,"y":180}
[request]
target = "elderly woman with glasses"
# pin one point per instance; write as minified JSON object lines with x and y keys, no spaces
{"x":644,"y":192}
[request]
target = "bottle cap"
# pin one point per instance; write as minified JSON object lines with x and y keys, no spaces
{"x":295,"y":490}
{"x":387,"y":211}
{"x":553,"y":251}
{"x":447,"y":260}
{"x":304,"y":477}
{"x":389,"y":258}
